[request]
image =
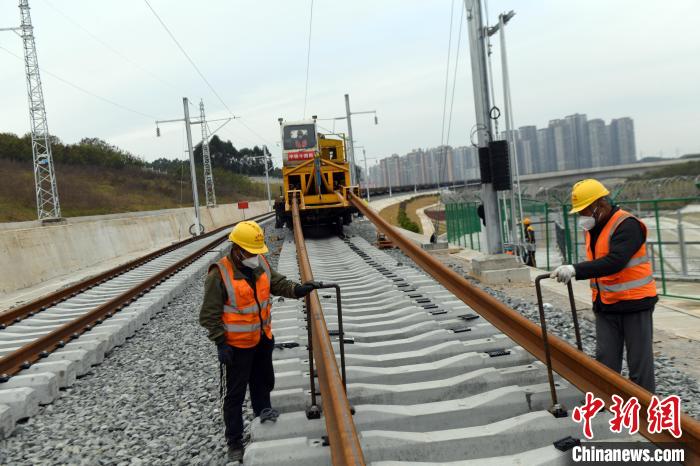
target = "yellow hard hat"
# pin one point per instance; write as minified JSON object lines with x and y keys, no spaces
{"x":527,"y":221}
{"x":249,"y":236}
{"x":585,"y":193}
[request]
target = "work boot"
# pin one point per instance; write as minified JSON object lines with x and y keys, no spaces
{"x":235,"y":452}
{"x":269,"y":414}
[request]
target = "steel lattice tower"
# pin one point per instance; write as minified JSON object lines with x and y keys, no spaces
{"x":47,"y":203}
{"x":206,"y":160}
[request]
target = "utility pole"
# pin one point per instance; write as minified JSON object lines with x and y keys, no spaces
{"x":206,"y":160}
{"x":515,"y":173}
{"x":517,"y":233}
{"x":266,"y":155}
{"x":47,"y":203}
{"x":364,"y":155}
{"x":482,"y":106}
{"x":351,"y":148}
{"x":351,"y":152}
{"x":193,"y":171}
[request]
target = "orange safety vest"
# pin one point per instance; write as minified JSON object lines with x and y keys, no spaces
{"x":245,"y":318}
{"x":635,"y":280}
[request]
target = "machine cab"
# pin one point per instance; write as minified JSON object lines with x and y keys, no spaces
{"x":299,"y":142}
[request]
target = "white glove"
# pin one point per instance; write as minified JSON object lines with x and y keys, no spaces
{"x":563,"y":273}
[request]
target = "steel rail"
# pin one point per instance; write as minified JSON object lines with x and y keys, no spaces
{"x":23,"y":357}
{"x":342,"y":434}
{"x":584,"y":372}
{"x":16,"y":314}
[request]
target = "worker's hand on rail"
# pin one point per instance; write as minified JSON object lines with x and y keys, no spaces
{"x":225,"y":353}
{"x":564,"y":273}
{"x":305,"y":288}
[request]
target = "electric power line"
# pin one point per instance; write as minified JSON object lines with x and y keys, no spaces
{"x":199,"y":72}
{"x":308,"y":57}
{"x":454,"y":78}
{"x":83,"y":90}
{"x":441,"y":154}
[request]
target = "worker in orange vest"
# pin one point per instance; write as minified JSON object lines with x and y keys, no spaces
{"x":236,"y":313}
{"x":621,"y":280}
{"x":530,"y":245}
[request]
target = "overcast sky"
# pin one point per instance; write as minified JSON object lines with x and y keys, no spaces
{"x":637,"y":58}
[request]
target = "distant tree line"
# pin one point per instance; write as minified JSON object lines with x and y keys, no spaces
{"x":89,"y":151}
{"x":96,"y":152}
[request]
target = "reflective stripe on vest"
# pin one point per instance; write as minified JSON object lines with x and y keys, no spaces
{"x":627,"y":285}
{"x":635,"y":280}
{"x":246,"y":310}
{"x":246,"y":306}
{"x":245,"y":328}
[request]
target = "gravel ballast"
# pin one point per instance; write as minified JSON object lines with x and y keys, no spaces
{"x":154,"y":400}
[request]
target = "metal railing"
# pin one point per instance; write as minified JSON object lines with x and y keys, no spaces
{"x":673,"y":236}
{"x":673,"y":241}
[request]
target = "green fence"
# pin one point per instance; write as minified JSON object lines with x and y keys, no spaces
{"x":673,"y":236}
{"x":673,"y":241}
{"x":463,"y":224}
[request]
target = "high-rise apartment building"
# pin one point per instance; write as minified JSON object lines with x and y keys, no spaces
{"x":622,"y":140}
{"x":529,"y":152}
{"x":599,"y":139}
{"x":546,"y":154}
{"x":578,"y":143}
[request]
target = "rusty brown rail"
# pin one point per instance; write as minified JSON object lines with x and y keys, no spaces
{"x":575,"y":366}
{"x":41,"y":347}
{"x":342,"y":435}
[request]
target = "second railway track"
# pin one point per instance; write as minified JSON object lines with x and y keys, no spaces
{"x":47,"y":343}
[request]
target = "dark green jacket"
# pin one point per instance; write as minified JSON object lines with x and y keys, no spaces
{"x":215,"y":296}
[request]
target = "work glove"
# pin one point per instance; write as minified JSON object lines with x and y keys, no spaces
{"x":305,"y":288}
{"x":563,"y":273}
{"x":225,"y":353}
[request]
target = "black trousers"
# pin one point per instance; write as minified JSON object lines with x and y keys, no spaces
{"x":251,"y":368}
{"x":634,"y":330}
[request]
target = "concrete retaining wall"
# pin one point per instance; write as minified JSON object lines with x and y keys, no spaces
{"x":31,"y":254}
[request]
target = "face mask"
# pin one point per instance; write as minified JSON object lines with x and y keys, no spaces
{"x":586,"y":222}
{"x":251,"y":262}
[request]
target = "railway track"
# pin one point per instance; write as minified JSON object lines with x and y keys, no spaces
{"x":437,"y":371}
{"x":47,"y":343}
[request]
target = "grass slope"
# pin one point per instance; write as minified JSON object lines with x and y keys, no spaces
{"x":88,"y":190}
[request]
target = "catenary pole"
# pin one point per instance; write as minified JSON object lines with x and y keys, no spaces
{"x":482,"y":105}
{"x":193,"y":171}
{"x":364,"y":155}
{"x":351,"y":152}
{"x":515,"y":173}
{"x":266,"y":154}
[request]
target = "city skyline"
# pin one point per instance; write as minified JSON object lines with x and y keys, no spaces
{"x":568,"y":143}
